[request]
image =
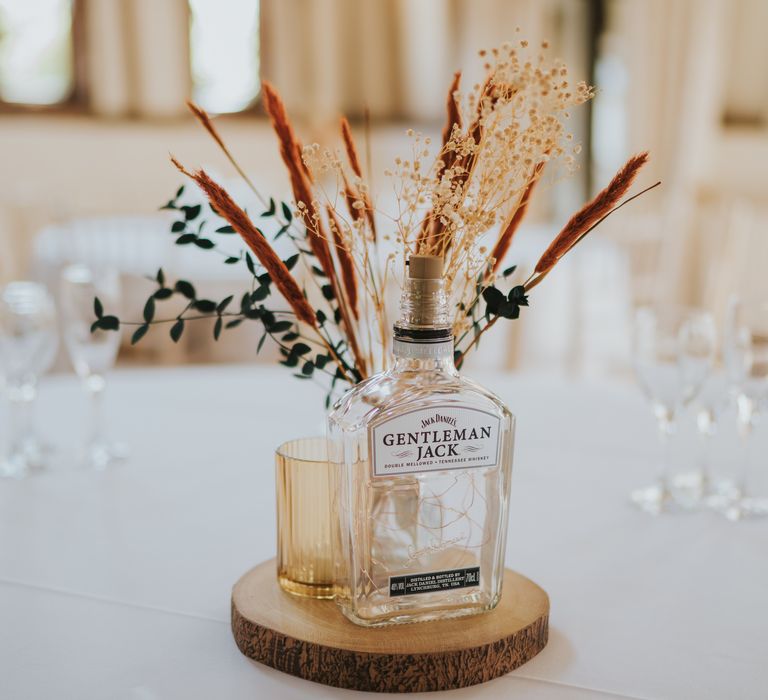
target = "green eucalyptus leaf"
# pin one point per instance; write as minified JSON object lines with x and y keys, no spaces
{"x":217,"y":328}
{"x":272,"y":208}
{"x":149,"y":310}
{"x":177,"y":329}
{"x":261,"y":343}
{"x":234,"y":323}
{"x":517,"y":294}
{"x":98,"y":307}
{"x":205,"y":243}
{"x":508,"y":309}
{"x":225,"y":229}
{"x":185,"y":288}
{"x":509,"y":271}
{"x":205,"y":306}
{"x":163,"y":293}
{"x":493,"y":298}
{"x":191,"y":212}
{"x":186,"y":238}
{"x":290,"y":263}
{"x":308,"y":368}
{"x":109,"y":323}
{"x":300,"y":349}
{"x":231,"y":260}
{"x":327,"y":291}
{"x":278,"y":326}
{"x":259,"y":294}
{"x":139,"y":333}
{"x":178,"y":226}
{"x":249,"y":263}
{"x":160,"y":277}
{"x":287,"y":213}
{"x":282,"y":231}
{"x":223,"y":304}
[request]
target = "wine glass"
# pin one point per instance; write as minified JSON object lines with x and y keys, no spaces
{"x":715,"y":484}
{"x":92,"y":353}
{"x":28,"y":344}
{"x":673,"y":352}
{"x":745,"y":352}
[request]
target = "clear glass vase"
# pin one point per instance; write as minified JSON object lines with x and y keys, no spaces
{"x":425,"y":461}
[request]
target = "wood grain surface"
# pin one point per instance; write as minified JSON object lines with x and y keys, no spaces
{"x":311,"y":639}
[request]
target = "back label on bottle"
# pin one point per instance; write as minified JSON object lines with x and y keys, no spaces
{"x":434,"y":581}
{"x":434,"y":439}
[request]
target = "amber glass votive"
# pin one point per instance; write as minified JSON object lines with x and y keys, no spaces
{"x":306,"y":526}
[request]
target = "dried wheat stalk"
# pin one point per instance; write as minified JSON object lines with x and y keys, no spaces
{"x":515,"y":219}
{"x":346,"y":264}
{"x":316,"y":234}
{"x":354,"y":162}
{"x":240,"y":221}
{"x":590,"y":213}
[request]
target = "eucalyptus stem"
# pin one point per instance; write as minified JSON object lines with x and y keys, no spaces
{"x":475,"y":340}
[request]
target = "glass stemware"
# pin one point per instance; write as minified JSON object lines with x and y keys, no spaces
{"x":745,"y":352}
{"x":716,"y":483}
{"x":91,"y":354}
{"x":28,"y":344}
{"x":673,"y":352}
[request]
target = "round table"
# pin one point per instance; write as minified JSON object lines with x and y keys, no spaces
{"x":117,"y":584}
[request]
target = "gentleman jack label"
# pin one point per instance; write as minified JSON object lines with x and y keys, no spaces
{"x":434,"y":439}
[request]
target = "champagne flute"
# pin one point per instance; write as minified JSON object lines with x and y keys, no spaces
{"x":92,"y":353}
{"x":28,"y":344}
{"x":746,"y":358}
{"x":673,"y":352}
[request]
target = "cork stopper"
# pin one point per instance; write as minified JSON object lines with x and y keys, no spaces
{"x":425,"y":267}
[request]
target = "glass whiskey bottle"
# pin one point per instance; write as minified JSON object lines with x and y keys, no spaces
{"x":424,"y":461}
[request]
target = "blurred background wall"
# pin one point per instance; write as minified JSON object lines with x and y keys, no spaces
{"x":92,"y":99}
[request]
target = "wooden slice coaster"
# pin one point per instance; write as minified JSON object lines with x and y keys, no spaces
{"x":311,"y":639}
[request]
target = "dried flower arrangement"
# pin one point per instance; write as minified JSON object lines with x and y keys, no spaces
{"x":497,"y":141}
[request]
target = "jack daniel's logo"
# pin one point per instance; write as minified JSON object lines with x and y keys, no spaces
{"x":434,"y":439}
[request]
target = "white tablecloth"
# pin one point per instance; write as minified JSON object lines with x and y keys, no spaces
{"x":117,"y":584}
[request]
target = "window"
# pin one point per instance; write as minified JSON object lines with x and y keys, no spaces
{"x":224,"y":53}
{"x":36,"y":61}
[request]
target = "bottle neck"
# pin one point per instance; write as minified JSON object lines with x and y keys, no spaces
{"x":423,"y":336}
{"x":423,"y":357}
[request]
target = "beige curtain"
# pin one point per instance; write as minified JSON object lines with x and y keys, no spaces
{"x":136,"y":57}
{"x":674,"y":53}
{"x":397,"y":56}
